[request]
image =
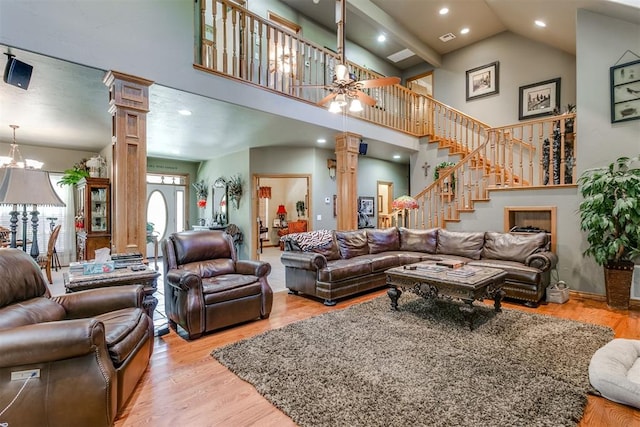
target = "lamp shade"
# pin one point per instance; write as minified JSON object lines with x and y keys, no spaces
{"x":28,"y":187}
{"x":264,"y":192}
{"x":404,"y":202}
{"x":281,"y":210}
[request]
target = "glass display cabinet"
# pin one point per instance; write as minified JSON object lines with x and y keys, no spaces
{"x":93,"y":217}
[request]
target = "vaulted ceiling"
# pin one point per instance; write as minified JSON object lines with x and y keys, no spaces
{"x":408,"y":24}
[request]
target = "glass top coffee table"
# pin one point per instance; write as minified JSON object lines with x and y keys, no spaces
{"x":431,"y":281}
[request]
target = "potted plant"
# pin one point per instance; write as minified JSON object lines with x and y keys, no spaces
{"x":445,"y":166}
{"x":610,"y":214}
{"x":300,"y":207}
{"x":234,"y":189}
{"x":74,"y":175}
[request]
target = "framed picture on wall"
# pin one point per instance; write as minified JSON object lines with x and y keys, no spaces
{"x":483,"y":81}
{"x":625,"y":92}
{"x":539,"y":99}
{"x":366,"y":206}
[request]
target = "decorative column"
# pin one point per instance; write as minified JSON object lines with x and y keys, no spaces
{"x":128,"y":105}
{"x":347,"y":147}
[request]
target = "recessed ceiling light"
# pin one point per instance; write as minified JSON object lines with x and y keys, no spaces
{"x":444,"y":11}
{"x":321,"y":141}
{"x":464,"y":31}
{"x":184,"y":112}
{"x":540,"y":23}
{"x":382,"y":38}
{"x":396,"y":156}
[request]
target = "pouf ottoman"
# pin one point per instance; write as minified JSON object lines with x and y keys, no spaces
{"x":614,"y":371}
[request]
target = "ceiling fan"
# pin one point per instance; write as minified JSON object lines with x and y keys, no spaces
{"x":345,"y":89}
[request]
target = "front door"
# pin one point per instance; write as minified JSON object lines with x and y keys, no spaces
{"x":166,"y":211}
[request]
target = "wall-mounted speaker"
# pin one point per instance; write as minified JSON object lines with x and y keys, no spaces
{"x":17,"y":73}
{"x":363,"y":148}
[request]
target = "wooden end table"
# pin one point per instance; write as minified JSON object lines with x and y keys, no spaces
{"x":121,"y":276}
{"x":428,"y":281}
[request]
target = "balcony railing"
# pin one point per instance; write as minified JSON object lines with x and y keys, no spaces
{"x":237,"y":43}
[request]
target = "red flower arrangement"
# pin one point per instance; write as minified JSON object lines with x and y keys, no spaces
{"x":202,"y":203}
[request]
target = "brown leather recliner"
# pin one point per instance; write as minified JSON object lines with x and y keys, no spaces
{"x":89,"y":348}
{"x":207,"y":287}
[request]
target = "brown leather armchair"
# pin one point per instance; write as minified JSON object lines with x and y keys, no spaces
{"x":207,"y":287}
{"x":89,"y":348}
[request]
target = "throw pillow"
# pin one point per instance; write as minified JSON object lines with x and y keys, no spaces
{"x":465,"y":244}
{"x":382,"y":240}
{"x":352,"y":243}
{"x":418,"y":240}
{"x":512,"y":247}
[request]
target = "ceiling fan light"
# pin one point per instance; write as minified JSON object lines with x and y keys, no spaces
{"x":356,"y":106}
{"x":341,"y":72}
{"x":334,"y":107}
{"x":341,"y":99}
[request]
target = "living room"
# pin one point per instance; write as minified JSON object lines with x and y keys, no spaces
{"x":601,"y":41}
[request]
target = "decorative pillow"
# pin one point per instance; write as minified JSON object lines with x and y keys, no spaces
{"x":382,"y":240}
{"x":352,"y":243}
{"x":322,"y":242}
{"x":465,"y":244}
{"x":512,"y":247}
{"x":418,"y":240}
{"x":312,"y":239}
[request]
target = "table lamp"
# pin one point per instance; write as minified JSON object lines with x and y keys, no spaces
{"x":22,"y":186}
{"x":282,"y":213}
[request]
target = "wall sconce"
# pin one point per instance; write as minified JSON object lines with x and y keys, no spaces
{"x":332,"y":165}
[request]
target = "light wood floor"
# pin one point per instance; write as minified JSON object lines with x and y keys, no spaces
{"x":185,"y":386}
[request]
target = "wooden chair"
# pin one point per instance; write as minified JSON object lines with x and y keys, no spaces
{"x":5,"y":236}
{"x":45,"y":260}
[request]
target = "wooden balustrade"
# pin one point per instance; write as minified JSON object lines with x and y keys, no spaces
{"x":239,"y":44}
{"x":532,"y":154}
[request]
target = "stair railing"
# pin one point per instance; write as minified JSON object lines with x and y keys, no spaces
{"x":539,"y":153}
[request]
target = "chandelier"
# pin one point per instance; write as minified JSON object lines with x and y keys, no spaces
{"x":14,"y":159}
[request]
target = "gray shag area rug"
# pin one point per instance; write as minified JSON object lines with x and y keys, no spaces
{"x":422,"y":366}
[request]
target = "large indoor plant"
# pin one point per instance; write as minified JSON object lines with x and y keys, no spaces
{"x":610,"y":214}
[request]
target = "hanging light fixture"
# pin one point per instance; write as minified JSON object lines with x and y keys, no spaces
{"x":356,"y":106}
{"x":14,"y":159}
{"x":25,"y":184}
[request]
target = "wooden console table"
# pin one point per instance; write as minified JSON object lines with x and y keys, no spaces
{"x":122,"y":276}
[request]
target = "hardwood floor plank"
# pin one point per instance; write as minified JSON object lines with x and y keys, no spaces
{"x":185,"y":386}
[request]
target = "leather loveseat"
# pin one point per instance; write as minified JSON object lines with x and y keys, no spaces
{"x":89,"y":348}
{"x":334,"y":264}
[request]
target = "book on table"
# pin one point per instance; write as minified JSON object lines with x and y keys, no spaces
{"x":450,"y":263}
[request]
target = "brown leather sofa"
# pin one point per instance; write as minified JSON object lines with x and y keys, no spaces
{"x":350,"y":262}
{"x":90,"y":348}
{"x":207,"y":287}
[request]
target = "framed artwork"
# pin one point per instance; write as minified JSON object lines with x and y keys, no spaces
{"x":366,"y":206}
{"x":483,"y":81}
{"x":625,"y":92}
{"x":539,"y":99}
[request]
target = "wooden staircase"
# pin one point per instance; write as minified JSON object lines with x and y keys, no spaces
{"x":537,"y":153}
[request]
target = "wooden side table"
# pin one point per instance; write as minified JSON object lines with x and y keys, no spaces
{"x":122,"y":276}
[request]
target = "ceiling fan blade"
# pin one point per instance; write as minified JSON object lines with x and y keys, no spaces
{"x":326,"y":99}
{"x":382,"y":81}
{"x":366,"y":99}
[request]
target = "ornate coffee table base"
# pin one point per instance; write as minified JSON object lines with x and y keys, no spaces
{"x":439,"y":287}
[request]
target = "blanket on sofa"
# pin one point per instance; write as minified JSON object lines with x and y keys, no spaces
{"x":310,"y":240}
